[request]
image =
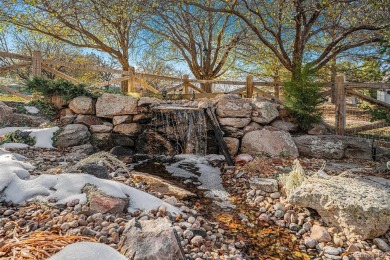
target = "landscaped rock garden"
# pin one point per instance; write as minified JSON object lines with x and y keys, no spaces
{"x":269,"y":206}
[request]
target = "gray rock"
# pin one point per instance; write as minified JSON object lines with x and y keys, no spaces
{"x":73,"y":135}
{"x":267,"y":185}
{"x":252,"y":127}
{"x":85,"y":149}
{"x":285,"y":125}
{"x":381,"y":244}
{"x":122,"y":119}
{"x":87,"y":251}
{"x":264,"y":112}
{"x":310,"y":242}
{"x":103,"y":141}
{"x":96,"y":170}
{"x":234,"y":122}
{"x":230,"y":131}
{"x":100,"y":202}
{"x":234,"y":108}
{"x":82,"y":105}
{"x":148,"y":101}
{"x":358,"y":205}
{"x":122,"y":140}
{"x":275,"y":143}
{"x":332,"y":250}
{"x":150,"y":239}
{"x":110,"y":105}
{"x":100,"y":128}
{"x":334,"y":147}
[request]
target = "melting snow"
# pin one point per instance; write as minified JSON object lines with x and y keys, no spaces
{"x":209,"y":176}
{"x":87,"y":251}
{"x":18,"y":186}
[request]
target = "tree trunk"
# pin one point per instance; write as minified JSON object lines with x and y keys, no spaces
{"x":208,"y":87}
{"x":333,"y":80}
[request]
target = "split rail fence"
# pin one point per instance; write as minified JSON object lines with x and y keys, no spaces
{"x":186,"y":88}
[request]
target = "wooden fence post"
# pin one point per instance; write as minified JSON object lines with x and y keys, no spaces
{"x":36,"y":63}
{"x":185,"y":86}
{"x":130,"y":82}
{"x":340,"y":104}
{"x":277,"y":90}
{"x":249,"y":86}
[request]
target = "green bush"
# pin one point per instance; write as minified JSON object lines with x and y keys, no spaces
{"x":380,"y":113}
{"x":18,"y":136}
{"x":57,"y":87}
{"x":302,"y":96}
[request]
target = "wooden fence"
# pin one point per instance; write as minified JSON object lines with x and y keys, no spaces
{"x":187,"y":88}
{"x":344,"y":89}
{"x":186,"y":85}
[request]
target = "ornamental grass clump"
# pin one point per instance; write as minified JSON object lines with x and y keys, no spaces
{"x":293,"y":179}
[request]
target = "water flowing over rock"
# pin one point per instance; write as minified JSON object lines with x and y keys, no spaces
{"x":186,"y":127}
{"x":110,"y":105}
{"x":264,"y":113}
{"x":75,"y":134}
{"x":150,"y":239}
{"x":275,"y":143}
{"x":359,"y":205}
{"x":234,"y":108}
{"x":82,"y":105}
{"x":334,"y":147}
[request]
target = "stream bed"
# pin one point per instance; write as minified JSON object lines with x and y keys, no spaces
{"x":219,"y":204}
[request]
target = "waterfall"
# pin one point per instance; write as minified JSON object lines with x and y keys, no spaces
{"x":186,"y":127}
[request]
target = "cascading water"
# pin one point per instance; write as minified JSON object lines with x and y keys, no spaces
{"x":186,"y":126}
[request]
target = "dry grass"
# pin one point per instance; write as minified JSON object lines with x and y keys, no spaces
{"x":12,"y":98}
{"x":37,"y":245}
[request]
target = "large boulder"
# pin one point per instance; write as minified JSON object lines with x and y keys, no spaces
{"x":100,"y":128}
{"x":73,"y":135}
{"x":150,"y":142}
{"x":82,"y":105}
{"x":358,"y":205}
{"x":334,"y":147}
{"x":150,"y":239}
{"x":103,"y":141}
{"x":110,"y":105}
{"x":285,"y":125}
{"x":234,"y":108}
{"x":131,"y":129}
{"x":264,"y":112}
{"x":234,"y":122}
{"x":116,"y":120}
{"x":274,"y":143}
{"x":149,"y":101}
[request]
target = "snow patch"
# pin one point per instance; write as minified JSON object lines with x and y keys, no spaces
{"x":87,"y":251}
{"x":18,"y":186}
{"x":31,"y":109}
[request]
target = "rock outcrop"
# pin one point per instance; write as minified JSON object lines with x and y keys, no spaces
{"x":358,"y":205}
{"x":333,"y":147}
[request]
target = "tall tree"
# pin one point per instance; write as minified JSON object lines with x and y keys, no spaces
{"x":299,"y":27}
{"x":106,"y":26}
{"x":205,"y":40}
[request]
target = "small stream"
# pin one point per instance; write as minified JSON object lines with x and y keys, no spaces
{"x":201,"y":175}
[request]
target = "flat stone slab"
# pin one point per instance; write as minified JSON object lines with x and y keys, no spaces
{"x":358,"y":205}
{"x":267,"y":185}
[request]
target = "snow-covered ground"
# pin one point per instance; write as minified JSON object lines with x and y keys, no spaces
{"x":18,"y":186}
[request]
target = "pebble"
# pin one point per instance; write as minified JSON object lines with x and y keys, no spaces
{"x":309,"y":242}
{"x":197,"y":241}
{"x":332,"y":250}
{"x":381,"y":244}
